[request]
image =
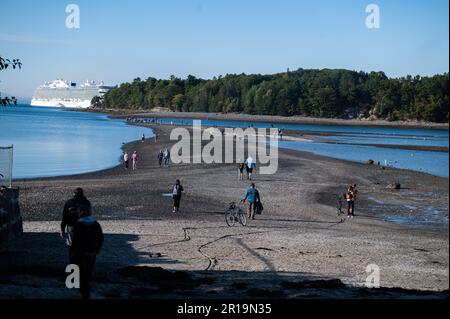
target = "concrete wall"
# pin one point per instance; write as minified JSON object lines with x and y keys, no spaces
{"x":10,"y":218}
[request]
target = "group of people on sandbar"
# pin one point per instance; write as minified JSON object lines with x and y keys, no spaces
{"x":126,"y":160}
{"x":249,"y":165}
{"x":163,"y":158}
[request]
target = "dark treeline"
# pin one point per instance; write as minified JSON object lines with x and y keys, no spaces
{"x":317,"y":93}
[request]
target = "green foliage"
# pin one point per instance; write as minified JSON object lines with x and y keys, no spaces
{"x":96,"y":102}
{"x":319,"y":93}
{"x":4,"y":64}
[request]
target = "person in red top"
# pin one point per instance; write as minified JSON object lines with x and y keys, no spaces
{"x":134,"y":159}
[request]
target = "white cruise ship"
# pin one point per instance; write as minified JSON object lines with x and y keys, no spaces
{"x":60,"y":93}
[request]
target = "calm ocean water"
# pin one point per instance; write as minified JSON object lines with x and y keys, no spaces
{"x":52,"y":142}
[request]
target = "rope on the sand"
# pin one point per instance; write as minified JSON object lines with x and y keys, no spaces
{"x":212,"y":259}
{"x":186,"y":234}
{"x":186,"y":238}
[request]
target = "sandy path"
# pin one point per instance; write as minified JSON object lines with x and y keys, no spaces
{"x":298,"y":236}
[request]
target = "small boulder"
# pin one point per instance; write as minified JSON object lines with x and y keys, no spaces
{"x":394,"y":186}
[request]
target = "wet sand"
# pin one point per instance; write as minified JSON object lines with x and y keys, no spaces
{"x":298,"y":240}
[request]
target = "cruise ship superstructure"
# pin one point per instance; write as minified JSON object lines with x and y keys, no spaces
{"x":60,"y":93}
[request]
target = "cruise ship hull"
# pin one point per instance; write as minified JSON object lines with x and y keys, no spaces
{"x":61,"y":103}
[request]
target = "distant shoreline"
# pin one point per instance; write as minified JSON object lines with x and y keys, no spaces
{"x":121,"y":113}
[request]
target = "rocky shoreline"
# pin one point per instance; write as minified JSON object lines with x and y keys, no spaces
{"x":123,"y":113}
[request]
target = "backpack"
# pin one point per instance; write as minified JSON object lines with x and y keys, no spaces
{"x":176,"y":190}
{"x":259,"y":208}
{"x":73,"y":214}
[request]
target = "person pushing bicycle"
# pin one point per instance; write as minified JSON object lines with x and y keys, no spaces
{"x":252,"y":197}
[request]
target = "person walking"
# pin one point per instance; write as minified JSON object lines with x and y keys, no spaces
{"x":253,"y":198}
{"x":134,"y":158}
{"x":241,"y":171}
{"x":166,"y":157}
{"x":70,"y":214}
{"x":354,"y":192}
{"x":125,"y":160}
{"x":177,"y":190}
{"x":160,"y":157}
{"x":350,"y":202}
{"x":143,"y":138}
{"x":249,"y":166}
{"x":86,"y":244}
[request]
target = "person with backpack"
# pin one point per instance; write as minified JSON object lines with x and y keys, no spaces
{"x":177,"y":190}
{"x":70,"y":213}
{"x":86,"y":244}
{"x":253,"y":198}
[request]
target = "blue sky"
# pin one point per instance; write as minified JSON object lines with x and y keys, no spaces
{"x":119,"y":40}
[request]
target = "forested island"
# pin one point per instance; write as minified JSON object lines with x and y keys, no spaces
{"x":326,"y":93}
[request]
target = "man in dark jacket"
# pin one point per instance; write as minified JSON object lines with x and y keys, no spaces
{"x":70,"y":213}
{"x":87,"y":241}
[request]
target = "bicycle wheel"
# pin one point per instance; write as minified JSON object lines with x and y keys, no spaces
{"x":230,"y":218}
{"x":242,"y":218}
{"x":339,"y":209}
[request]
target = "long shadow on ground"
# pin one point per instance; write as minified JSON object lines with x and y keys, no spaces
{"x":33,"y":266}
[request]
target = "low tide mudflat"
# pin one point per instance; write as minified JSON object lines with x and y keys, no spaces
{"x":297,"y":248}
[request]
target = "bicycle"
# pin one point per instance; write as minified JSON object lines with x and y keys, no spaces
{"x":340,"y":211}
{"x":234,"y":214}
